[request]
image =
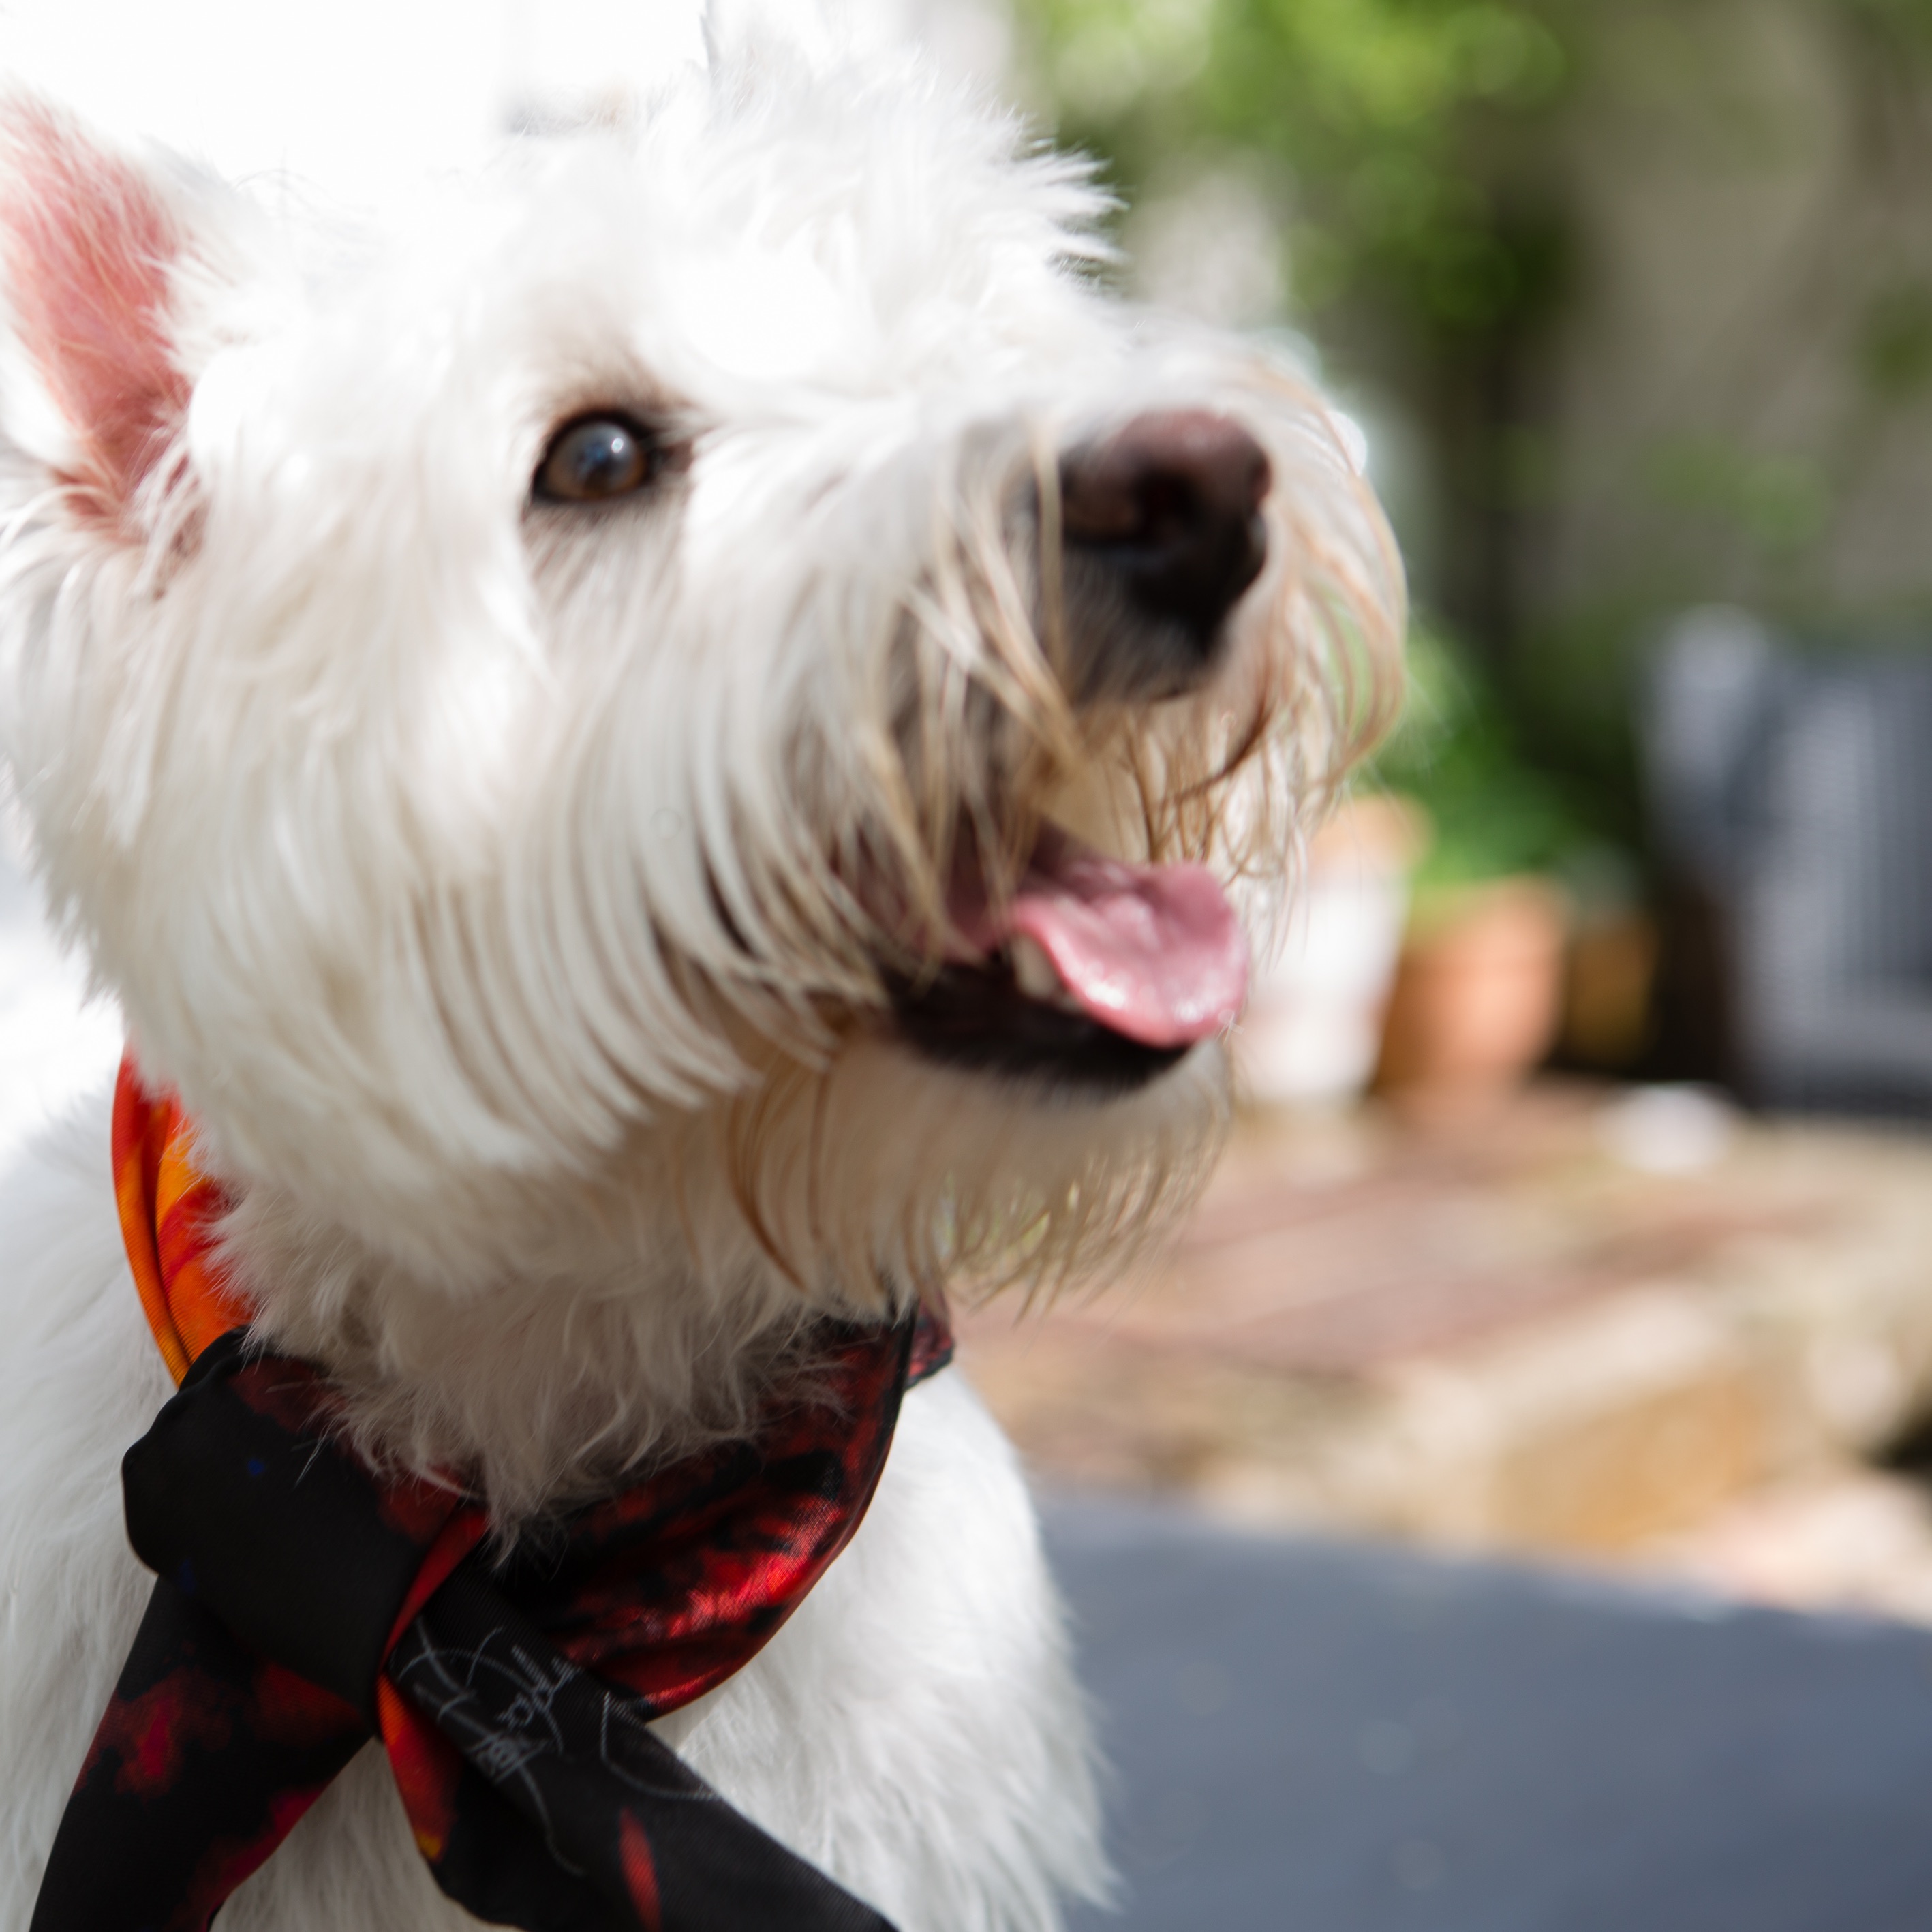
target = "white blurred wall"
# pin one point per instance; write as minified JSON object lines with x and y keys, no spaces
{"x":344,"y":93}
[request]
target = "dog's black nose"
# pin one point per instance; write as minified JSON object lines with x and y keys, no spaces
{"x":1164,"y":514}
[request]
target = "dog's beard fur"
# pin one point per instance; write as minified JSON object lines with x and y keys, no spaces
{"x":646,"y":1312}
{"x":515,"y":899}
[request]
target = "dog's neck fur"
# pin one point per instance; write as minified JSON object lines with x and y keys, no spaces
{"x":600,"y":1343}
{"x":540,"y":1335}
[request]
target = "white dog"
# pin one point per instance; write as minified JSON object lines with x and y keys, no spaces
{"x":580,"y":729}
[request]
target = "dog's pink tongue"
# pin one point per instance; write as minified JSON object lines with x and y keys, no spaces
{"x":1153,"y":952}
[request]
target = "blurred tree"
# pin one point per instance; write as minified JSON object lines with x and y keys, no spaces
{"x":1396,"y":140}
{"x":1650,"y":279}
{"x":1369,"y":108}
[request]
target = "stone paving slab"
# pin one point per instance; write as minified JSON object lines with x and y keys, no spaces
{"x":1509,"y":1330}
{"x":1318,"y":1736}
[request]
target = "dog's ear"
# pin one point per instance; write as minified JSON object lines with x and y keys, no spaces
{"x":90,"y":242}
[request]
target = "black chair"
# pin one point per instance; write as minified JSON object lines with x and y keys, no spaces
{"x":1791,"y":801}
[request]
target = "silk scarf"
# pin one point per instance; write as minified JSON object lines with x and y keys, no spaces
{"x":303,"y":1604}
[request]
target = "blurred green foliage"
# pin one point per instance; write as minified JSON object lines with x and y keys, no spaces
{"x":1906,"y":24}
{"x":1400,"y":132}
{"x":1377,"y":120}
{"x":1455,"y":752}
{"x":1895,"y":347}
{"x":1387,"y":136}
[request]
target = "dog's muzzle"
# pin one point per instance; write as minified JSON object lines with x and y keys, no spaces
{"x":1096,"y":971}
{"x":1163,"y":534}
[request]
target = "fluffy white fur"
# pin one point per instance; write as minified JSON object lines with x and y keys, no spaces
{"x":509,"y":892}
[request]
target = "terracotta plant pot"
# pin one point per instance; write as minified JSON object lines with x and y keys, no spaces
{"x":1314,"y":1023}
{"x":1478,"y":995}
{"x":1607,"y":1007}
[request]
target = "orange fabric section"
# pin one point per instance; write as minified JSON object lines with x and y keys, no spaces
{"x":169,"y":1213}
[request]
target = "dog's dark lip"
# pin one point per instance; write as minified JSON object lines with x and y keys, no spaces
{"x":975,"y":1017}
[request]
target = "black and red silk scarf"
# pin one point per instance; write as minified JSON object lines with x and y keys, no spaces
{"x":303,"y":1604}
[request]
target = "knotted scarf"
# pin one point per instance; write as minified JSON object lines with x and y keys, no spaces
{"x":304,"y":1603}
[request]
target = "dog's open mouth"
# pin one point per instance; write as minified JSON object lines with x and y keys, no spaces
{"x":1094,"y":970}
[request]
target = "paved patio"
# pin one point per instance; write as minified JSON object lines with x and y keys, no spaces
{"x":1626,"y":1327}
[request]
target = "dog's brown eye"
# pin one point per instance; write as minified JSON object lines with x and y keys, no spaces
{"x":597,"y":457}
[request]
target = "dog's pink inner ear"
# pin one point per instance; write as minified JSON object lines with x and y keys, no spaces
{"x":87,"y":242}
